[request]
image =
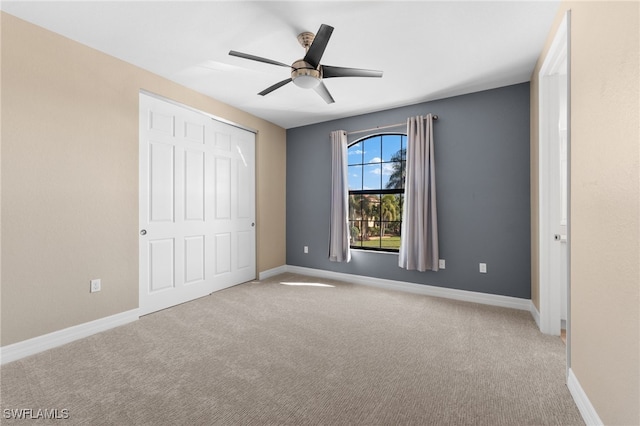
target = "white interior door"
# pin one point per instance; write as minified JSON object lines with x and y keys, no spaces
{"x":561,"y":199}
{"x":197,"y":205}
{"x":233,"y":205}
{"x":553,"y":186}
{"x":556,"y":214}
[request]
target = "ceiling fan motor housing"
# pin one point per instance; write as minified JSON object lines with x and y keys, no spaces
{"x":304,"y":74}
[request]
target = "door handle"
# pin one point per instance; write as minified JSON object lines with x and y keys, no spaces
{"x":143,"y":232}
{"x":560,"y":237}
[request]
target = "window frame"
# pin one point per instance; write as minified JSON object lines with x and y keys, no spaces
{"x":380,"y":192}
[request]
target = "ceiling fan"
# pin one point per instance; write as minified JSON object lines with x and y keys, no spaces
{"x":308,"y":72}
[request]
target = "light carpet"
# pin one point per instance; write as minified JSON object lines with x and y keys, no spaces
{"x":298,"y":350}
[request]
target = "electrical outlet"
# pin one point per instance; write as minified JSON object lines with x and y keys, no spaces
{"x":483,"y":268}
{"x":306,"y":249}
{"x":96,"y":286}
{"x":441,"y":264}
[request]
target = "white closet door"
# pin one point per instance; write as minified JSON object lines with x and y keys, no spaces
{"x":197,"y":205}
{"x":233,"y":205}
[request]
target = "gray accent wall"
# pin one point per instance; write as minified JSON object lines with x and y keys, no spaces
{"x":482,"y":178}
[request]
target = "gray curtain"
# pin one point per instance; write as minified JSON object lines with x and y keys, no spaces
{"x":339,"y":250}
{"x":419,"y":239}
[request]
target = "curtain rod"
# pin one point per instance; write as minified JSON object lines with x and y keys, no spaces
{"x":435,"y":117}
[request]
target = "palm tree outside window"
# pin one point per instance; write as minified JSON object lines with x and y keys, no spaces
{"x":376,"y":186}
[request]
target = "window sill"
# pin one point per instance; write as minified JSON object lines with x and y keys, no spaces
{"x":374,"y":251}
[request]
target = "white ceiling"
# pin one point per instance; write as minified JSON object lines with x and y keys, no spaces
{"x":428,"y":50}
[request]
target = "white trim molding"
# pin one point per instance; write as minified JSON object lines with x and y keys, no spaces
{"x":272,"y":272}
{"x":588,"y":412}
{"x":535,"y":314}
{"x":428,"y":290}
{"x":38,"y":344}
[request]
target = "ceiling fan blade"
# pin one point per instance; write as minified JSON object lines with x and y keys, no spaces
{"x":329,"y":71}
{"x":316,"y":50}
{"x":322,"y":90}
{"x":274,"y":87}
{"x":257,"y":58}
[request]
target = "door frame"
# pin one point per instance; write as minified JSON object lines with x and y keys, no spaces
{"x":550,"y":297}
{"x":213,"y":117}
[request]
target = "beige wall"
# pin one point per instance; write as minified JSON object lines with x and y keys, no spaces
{"x":605,"y":203}
{"x":70,"y":180}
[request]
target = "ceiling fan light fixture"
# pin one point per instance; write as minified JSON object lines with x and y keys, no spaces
{"x":306,"y":81}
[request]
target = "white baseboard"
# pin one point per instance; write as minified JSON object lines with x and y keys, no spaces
{"x":428,"y":290}
{"x":38,"y":344}
{"x":589,"y":414}
{"x":272,"y":272}
{"x":535,"y":314}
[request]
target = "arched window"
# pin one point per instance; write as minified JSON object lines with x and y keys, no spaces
{"x":376,"y":188}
